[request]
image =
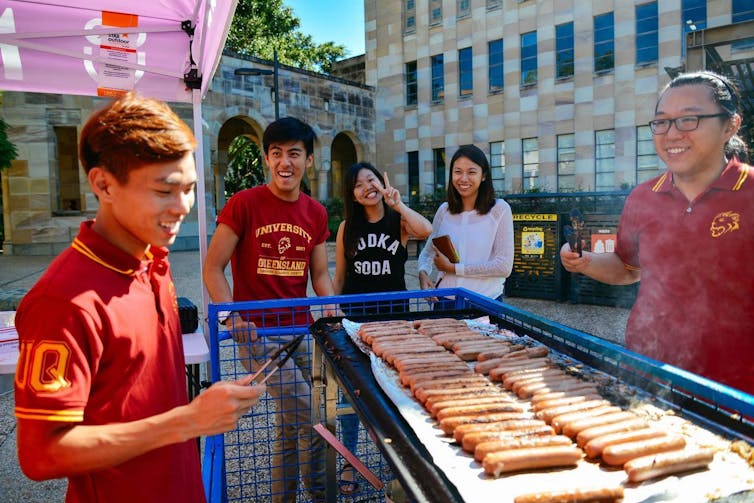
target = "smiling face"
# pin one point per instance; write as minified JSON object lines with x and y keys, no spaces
{"x":366,"y":189}
{"x":466,"y":177}
{"x":146,"y":210}
{"x":288,"y":163}
{"x":689,"y":154}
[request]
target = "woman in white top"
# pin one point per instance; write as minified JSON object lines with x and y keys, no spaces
{"x":480,"y":227}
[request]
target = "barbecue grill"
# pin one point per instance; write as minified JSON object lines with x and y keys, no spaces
{"x":403,"y":457}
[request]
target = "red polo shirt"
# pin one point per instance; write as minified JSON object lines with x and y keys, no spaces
{"x":695,"y":306}
{"x":101,"y":343}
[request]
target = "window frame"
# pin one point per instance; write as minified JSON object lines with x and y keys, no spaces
{"x":564,"y":51}
{"x":566,"y":158}
{"x":528,"y":166}
{"x":644,"y":137}
{"x":528,"y":57}
{"x":604,"y":42}
{"x":465,"y":72}
{"x":497,"y":165}
{"x":647,"y":41}
{"x":495,"y":65}
{"x":602,"y":160}
{"x":412,"y":84}
{"x":438,"y":79}
{"x":412,"y":164}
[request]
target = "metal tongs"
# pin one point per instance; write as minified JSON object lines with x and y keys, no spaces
{"x":574,"y":233}
{"x":276,"y":363}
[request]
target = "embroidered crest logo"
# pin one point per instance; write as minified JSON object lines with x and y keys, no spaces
{"x":283,"y":245}
{"x":726,"y":221}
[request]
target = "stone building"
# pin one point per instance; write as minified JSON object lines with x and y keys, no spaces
{"x":45,"y":193}
{"x":557,"y":93}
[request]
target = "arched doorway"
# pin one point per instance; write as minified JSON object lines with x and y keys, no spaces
{"x":343,"y":155}
{"x":239,"y":126}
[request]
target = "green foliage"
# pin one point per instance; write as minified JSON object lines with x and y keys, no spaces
{"x":8,"y":151}
{"x":335,"y":215}
{"x":245,"y":168}
{"x":261,"y":26}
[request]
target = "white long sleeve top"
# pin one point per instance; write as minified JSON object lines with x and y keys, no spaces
{"x":484,"y":244}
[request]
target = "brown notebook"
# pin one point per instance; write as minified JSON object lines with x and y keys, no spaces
{"x":445,"y":245}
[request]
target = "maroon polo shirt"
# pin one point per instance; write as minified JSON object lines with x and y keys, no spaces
{"x":101,"y":343}
{"x":695,"y":306}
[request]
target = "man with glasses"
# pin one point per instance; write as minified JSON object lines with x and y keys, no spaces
{"x":688,"y":236}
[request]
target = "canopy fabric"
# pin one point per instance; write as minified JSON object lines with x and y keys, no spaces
{"x":102,"y":47}
{"x":106,"y":47}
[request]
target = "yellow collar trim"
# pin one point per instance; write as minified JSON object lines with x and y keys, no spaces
{"x":84,"y":250}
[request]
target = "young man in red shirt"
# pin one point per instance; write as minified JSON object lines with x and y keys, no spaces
{"x":100,"y":388}
{"x":274,"y":236}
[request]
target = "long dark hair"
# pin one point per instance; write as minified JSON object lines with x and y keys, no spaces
{"x":725,"y":94}
{"x":485,"y":198}
{"x":353,"y":211}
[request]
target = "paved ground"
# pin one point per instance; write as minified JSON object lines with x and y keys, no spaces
{"x":18,"y":274}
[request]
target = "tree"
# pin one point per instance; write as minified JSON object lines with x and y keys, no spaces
{"x":261,"y":26}
{"x":244,"y":166}
{"x":8,"y":151}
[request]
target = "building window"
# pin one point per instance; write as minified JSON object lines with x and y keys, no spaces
{"x":413,"y":177}
{"x":742,"y":10}
{"x":438,"y":78}
{"x":647,"y":162}
{"x":604,"y":42}
{"x":411,"y":84}
{"x":566,"y":162}
{"x":604,"y":160}
{"x":646,"y":33}
{"x":495,"y":65}
{"x":439,"y":160}
{"x":530,"y":169}
{"x":463,"y":8}
{"x":693,"y":17}
{"x":465,"y":72}
{"x":497,"y":165}
{"x":66,"y":155}
{"x":409,"y":16}
{"x":529,"y":58}
{"x":564,"y":49}
{"x":494,"y":4}
{"x":435,"y":12}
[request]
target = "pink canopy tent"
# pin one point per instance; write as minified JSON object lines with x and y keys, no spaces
{"x":166,"y":49}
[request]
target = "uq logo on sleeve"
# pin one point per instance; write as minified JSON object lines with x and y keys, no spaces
{"x":42,"y":366}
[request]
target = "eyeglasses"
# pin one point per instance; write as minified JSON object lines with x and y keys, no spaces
{"x":685,"y":123}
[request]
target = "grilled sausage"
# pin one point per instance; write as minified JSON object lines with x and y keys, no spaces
{"x":595,"y":495}
{"x":584,"y":436}
{"x":594,"y":447}
{"x":551,"y":412}
{"x":557,"y":402}
{"x":483,"y":448}
{"x":435,"y":407}
{"x":532,"y":458}
{"x":423,"y":395}
{"x":619,"y":454}
{"x":449,"y":424}
{"x":558,"y":422}
{"x":656,"y":465}
{"x":471,"y":440}
{"x":465,"y":410}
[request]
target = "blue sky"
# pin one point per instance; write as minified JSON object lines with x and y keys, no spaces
{"x":339,"y":21}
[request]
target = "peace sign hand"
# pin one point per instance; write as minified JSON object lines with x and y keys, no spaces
{"x":390,"y":194}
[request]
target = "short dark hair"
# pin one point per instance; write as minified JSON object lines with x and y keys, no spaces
{"x":133,"y":131}
{"x":485,"y":198}
{"x":289,"y":129}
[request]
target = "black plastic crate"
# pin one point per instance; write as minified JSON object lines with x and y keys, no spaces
{"x":189,"y":315}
